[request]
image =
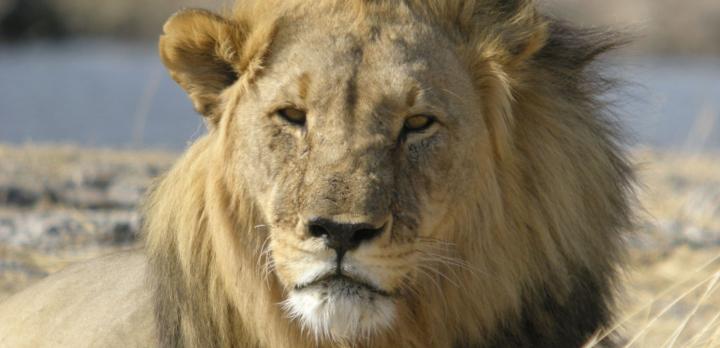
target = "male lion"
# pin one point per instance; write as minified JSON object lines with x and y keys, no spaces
{"x":388,"y":173}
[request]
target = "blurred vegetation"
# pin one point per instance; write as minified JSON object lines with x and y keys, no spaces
{"x":666,"y":27}
{"x":662,"y":26}
{"x":117,"y":19}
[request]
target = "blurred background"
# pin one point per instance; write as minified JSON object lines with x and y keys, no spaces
{"x":87,"y":72}
{"x":88,"y":116}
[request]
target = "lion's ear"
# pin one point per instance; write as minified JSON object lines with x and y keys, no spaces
{"x":503,"y":37}
{"x":521,"y":30}
{"x":204,"y":54}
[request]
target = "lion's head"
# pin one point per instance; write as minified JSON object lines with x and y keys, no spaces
{"x":417,"y":172}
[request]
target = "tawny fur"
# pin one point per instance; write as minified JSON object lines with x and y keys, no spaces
{"x":523,"y":206}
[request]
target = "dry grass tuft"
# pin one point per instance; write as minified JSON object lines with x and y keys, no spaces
{"x":670,"y":296}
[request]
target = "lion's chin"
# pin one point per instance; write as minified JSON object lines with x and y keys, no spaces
{"x":340,"y":310}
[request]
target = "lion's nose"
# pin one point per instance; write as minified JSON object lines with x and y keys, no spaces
{"x":343,"y":236}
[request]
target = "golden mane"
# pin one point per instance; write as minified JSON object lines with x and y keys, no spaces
{"x":554,"y":202}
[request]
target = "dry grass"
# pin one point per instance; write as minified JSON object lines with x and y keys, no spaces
{"x":59,"y":158}
{"x":681,"y":190}
{"x":676,"y":301}
{"x":670,"y":293}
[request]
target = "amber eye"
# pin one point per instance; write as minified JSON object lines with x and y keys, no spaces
{"x":292,"y":115}
{"x":418,"y":123}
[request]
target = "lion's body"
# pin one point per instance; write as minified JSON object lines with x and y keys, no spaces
{"x":498,"y":224}
{"x":100,"y":303}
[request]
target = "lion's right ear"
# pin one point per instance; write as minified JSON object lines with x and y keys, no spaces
{"x":205,"y":53}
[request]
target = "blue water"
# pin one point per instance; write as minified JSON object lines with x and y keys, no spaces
{"x":92,"y":93}
{"x":113,"y":94}
{"x":671,"y":102}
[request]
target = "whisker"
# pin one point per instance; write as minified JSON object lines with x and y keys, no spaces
{"x":440,"y":250}
{"x":437,"y":272}
{"x":264,"y":262}
{"x":453,"y":261}
{"x":425,"y":273}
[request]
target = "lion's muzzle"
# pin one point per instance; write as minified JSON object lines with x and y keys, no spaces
{"x":335,"y":291}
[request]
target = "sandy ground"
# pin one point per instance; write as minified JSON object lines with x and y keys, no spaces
{"x":61,"y":204}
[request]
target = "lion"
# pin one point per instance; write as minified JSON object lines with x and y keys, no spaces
{"x":391,"y":173}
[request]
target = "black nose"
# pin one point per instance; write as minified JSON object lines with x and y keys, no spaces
{"x":340,"y":236}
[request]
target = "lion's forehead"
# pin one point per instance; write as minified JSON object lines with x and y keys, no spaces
{"x":334,"y":59}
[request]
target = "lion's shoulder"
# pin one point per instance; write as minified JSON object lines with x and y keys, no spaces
{"x":104,"y":302}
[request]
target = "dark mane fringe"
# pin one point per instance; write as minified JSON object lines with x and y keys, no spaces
{"x":570,"y":64}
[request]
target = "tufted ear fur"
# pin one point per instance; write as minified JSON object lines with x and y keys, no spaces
{"x":206,"y":53}
{"x":523,"y":31}
{"x":501,"y":39}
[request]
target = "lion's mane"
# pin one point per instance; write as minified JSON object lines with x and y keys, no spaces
{"x":552,"y":214}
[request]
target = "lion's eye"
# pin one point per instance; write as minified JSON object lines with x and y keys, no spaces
{"x":292,"y":115}
{"x":418,"y":123}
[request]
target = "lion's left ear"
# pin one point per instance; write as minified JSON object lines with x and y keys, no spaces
{"x":519,"y":31}
{"x":206,"y":53}
{"x":503,"y":37}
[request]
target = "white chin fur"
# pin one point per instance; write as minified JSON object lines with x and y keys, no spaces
{"x":339,"y":317}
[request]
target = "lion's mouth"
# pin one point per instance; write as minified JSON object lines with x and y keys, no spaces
{"x":342,"y":285}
